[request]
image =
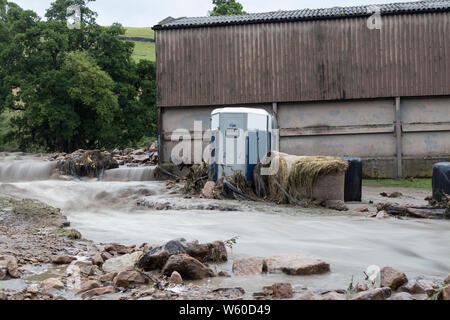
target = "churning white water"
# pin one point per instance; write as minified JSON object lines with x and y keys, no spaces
{"x":107,"y":212}
{"x":26,"y":171}
{"x":130,"y":174}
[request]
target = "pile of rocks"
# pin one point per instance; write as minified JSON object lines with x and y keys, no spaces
{"x":132,"y":157}
{"x":291,"y":264}
{"x":394,"y":285}
{"x":115,"y":271}
{"x":91,"y":161}
{"x":187,"y":259}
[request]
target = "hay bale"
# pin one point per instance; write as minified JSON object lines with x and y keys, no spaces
{"x":265,"y":185}
{"x":305,"y":172}
{"x":297,"y":175}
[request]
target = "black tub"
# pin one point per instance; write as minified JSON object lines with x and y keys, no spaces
{"x":353,"y":180}
{"x":441,"y":180}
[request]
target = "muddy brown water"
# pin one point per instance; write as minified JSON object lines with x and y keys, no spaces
{"x":107,"y":212}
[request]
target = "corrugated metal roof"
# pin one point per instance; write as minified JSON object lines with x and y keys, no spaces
{"x":309,"y":14}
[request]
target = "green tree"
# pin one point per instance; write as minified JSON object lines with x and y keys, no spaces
{"x":73,"y":107}
{"x":72,"y":88}
{"x":227,"y":7}
{"x":58,"y":11}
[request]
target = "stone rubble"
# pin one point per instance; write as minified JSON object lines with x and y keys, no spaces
{"x":115,"y":271}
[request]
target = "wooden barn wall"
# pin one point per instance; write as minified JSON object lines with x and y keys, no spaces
{"x":304,"y":61}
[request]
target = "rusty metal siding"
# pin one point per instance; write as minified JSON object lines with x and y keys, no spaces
{"x":304,"y":61}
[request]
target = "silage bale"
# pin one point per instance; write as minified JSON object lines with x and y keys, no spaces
{"x":305,"y":172}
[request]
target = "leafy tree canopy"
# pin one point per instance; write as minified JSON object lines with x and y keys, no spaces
{"x":69,"y":88}
{"x":227,"y":7}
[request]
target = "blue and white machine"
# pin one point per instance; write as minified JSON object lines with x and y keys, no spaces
{"x":241,"y":137}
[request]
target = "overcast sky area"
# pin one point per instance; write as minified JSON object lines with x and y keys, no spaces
{"x":147,"y":13}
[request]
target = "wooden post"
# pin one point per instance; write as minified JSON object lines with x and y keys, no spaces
{"x":160,"y":134}
{"x":275,"y":112}
{"x":398,"y":131}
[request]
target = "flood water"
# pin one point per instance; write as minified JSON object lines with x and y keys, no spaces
{"x":107,"y":212}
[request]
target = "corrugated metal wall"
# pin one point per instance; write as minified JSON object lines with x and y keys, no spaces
{"x":304,"y":61}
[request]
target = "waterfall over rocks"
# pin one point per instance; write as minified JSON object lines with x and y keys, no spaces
{"x":131,"y":174}
{"x":22,"y":171}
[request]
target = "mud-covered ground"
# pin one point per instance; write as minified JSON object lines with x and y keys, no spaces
{"x":52,"y":261}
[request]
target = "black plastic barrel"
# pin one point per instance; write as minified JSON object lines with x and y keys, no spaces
{"x":353,"y":180}
{"x":441,"y":180}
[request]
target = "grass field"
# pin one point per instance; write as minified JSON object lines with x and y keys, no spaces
{"x":142,"y":50}
{"x":406,"y":183}
{"x":140,"y":32}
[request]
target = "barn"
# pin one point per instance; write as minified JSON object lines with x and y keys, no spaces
{"x":337,"y":83}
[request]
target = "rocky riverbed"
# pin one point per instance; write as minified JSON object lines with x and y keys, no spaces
{"x":42,"y":258}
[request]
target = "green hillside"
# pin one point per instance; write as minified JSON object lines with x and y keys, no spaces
{"x":140,"y":32}
{"x":142,"y":50}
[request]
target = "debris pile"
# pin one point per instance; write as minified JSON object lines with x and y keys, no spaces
{"x":234,"y":187}
{"x":83,"y":163}
{"x":424,"y":212}
{"x":91,"y":163}
{"x":147,"y":157}
{"x":196,"y":179}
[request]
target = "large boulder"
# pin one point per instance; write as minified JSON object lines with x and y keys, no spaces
{"x":446,"y":293}
{"x":122,"y":263}
{"x":80,"y":268}
{"x":428,"y":286}
{"x":98,"y":292}
{"x":52,"y":283}
{"x":8,"y":267}
{"x":404,"y":296}
{"x":392,"y":278}
{"x":333,"y":295}
{"x":247,"y":266}
{"x":209,"y":252}
{"x":412,"y":287}
{"x":187,"y":266}
{"x":282,"y":291}
{"x":115,"y":248}
{"x":108,"y":277}
{"x":374,"y":294}
{"x":128,"y":278}
{"x":295,"y":264}
{"x":62,"y":259}
{"x":89,"y":285}
{"x":157,"y":257}
{"x":176,"y":278}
